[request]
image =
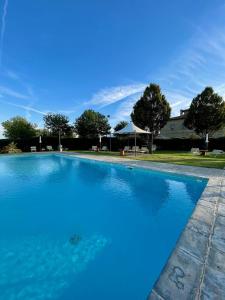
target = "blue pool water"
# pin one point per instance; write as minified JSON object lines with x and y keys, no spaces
{"x":73,"y":229}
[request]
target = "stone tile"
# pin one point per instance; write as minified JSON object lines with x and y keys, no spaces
{"x":213,"y":285}
{"x":218,"y":238}
{"x":216,"y":260}
{"x":221,"y":209}
{"x":203,"y":214}
{"x":207,"y":202}
{"x":194,"y":243}
{"x":199,"y":226}
{"x":180,"y":278}
{"x":220,"y":220}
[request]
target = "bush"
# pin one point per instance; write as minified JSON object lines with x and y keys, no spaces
{"x":11,"y":148}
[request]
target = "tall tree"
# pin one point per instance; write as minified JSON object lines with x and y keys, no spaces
{"x":57,"y":123}
{"x":151,"y":112}
{"x":206,"y":114}
{"x":120,"y":125}
{"x":18,"y":128}
{"x":92,"y":124}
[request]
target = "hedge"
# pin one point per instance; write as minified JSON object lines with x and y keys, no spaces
{"x":116,"y":143}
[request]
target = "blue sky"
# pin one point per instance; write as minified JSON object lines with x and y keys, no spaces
{"x":67,"y":56}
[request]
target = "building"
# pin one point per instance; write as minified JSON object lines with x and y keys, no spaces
{"x":175,"y":129}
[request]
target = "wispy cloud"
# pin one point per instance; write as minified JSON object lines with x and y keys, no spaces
{"x":112,"y":95}
{"x":27,"y":108}
{"x":125,"y":108}
{"x":12,"y":93}
{"x":3,"y":23}
{"x":201,"y":64}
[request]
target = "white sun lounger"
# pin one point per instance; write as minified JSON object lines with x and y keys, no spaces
{"x":216,"y":151}
{"x":33,"y":149}
{"x":195,"y":151}
{"x":49,"y":148}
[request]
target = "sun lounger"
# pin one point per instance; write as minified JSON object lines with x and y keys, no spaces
{"x":144,"y":150}
{"x":104,"y":148}
{"x":126,"y":148}
{"x":195,"y":151}
{"x":33,"y":149}
{"x":216,"y":151}
{"x":49,"y":148}
{"x":133,"y":149}
{"x":94,"y":148}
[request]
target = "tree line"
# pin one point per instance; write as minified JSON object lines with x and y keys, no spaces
{"x":151,"y":112}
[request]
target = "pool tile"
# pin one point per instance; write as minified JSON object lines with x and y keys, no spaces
{"x":213,"y":285}
{"x":203,"y":214}
{"x":180,"y":278}
{"x":199,"y":226}
{"x":216,"y":260}
{"x":194,"y":243}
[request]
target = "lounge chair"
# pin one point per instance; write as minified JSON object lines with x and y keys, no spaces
{"x":144,"y":150}
{"x":49,"y":148}
{"x":104,"y":148}
{"x":216,"y":151}
{"x":94,"y":148}
{"x":154,"y":147}
{"x":195,"y":151}
{"x":126,"y":149}
{"x":33,"y":149}
{"x":134,"y":149}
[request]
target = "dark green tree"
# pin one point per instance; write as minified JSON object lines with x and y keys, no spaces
{"x":57,"y":123}
{"x":18,"y":128}
{"x":92,"y":124}
{"x":206,"y":113}
{"x":120,"y":125}
{"x":151,"y":112}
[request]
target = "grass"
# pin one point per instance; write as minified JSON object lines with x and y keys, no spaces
{"x":174,"y":157}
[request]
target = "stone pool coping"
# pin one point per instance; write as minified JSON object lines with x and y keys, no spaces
{"x":196,"y":267}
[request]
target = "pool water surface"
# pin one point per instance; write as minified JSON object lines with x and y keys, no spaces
{"x":72,"y":228}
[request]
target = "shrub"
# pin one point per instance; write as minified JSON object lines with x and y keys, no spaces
{"x":11,"y":148}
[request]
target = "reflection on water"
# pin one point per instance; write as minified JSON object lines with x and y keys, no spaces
{"x":39,"y":268}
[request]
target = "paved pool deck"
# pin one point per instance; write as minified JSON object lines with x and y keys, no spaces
{"x":196,"y":267}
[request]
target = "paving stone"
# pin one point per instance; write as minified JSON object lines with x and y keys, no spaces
{"x":216,"y":260}
{"x":203,"y":214}
{"x":221,"y":209}
{"x":207,"y":202}
{"x":213,"y":285}
{"x":194,"y":243}
{"x":218,"y":238}
{"x":180,"y":278}
{"x":199,"y":226}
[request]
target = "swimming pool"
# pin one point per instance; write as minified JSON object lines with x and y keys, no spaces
{"x":72,"y":228}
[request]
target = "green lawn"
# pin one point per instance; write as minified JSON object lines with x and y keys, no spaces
{"x":179,"y":158}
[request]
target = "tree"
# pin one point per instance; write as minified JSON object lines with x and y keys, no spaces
{"x":18,"y":128}
{"x":57,"y":124}
{"x":92,"y":124}
{"x":151,"y":112}
{"x":206,"y":114}
{"x":120,"y":125}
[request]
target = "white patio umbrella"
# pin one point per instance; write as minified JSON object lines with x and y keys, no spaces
{"x":40,"y":141}
{"x":132,"y":129}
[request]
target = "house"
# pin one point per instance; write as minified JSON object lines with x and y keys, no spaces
{"x":175,"y":129}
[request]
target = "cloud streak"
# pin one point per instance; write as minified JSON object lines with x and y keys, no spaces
{"x":5,"y":91}
{"x":201,"y":64}
{"x":27,"y":108}
{"x":3,"y":23}
{"x":112,"y":95}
